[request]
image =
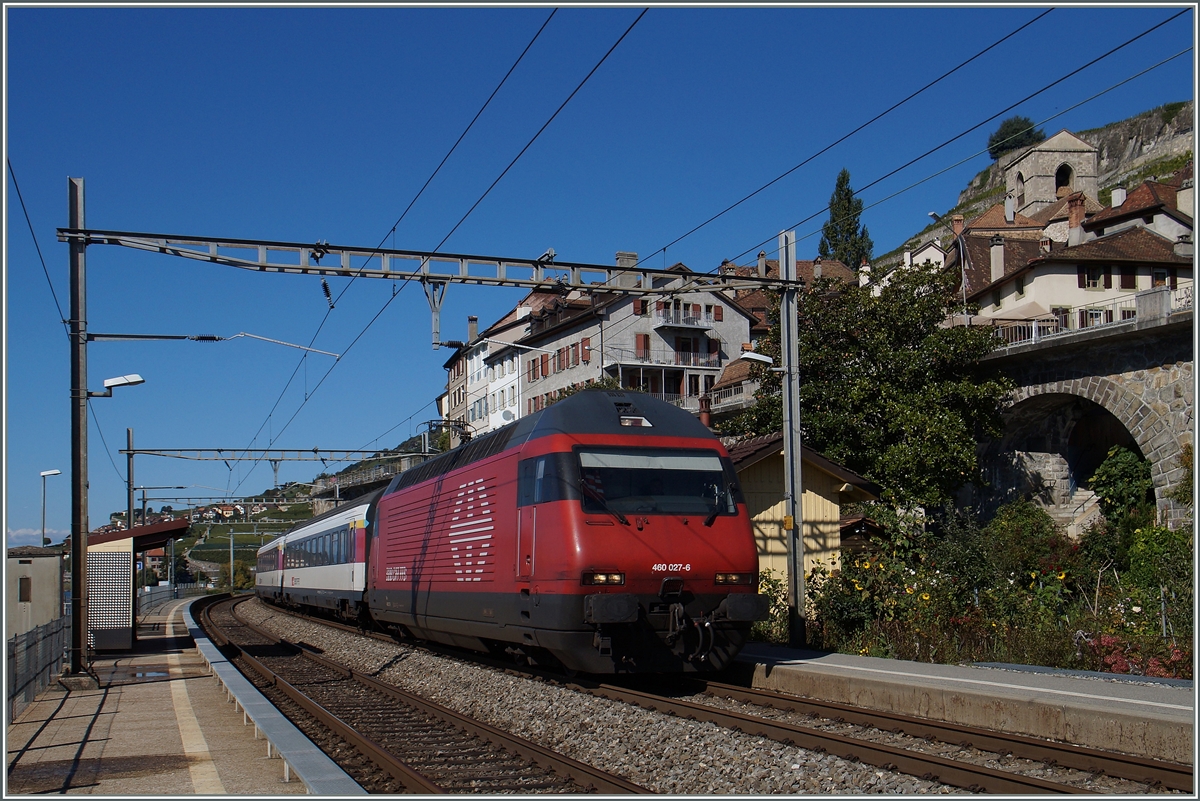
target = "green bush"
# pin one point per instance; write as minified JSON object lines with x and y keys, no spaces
{"x":1015,"y":590}
{"x":775,"y":628}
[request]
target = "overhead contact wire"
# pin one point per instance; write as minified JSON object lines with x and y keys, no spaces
{"x":391,"y":231}
{"x":978,"y":125}
{"x":837,"y":142}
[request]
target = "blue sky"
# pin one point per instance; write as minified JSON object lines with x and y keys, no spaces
{"x":306,"y":124}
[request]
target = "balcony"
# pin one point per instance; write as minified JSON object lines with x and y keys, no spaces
{"x":664,"y":357}
{"x":1146,"y":305}
{"x":674,"y":319}
{"x":728,"y":399}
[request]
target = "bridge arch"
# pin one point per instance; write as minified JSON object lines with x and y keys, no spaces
{"x":1073,"y":401}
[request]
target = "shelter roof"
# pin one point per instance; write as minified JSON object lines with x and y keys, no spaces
{"x":144,"y":537}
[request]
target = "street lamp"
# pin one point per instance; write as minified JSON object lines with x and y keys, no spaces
{"x":43,"y":474}
{"x":962,"y":260}
{"x":131,"y":380}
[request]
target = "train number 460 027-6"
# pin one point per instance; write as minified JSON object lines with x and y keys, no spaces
{"x":670,"y":567}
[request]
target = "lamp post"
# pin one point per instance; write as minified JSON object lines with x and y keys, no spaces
{"x":77,"y":326}
{"x":43,"y":474}
{"x":793,"y":513}
{"x":962,"y":260}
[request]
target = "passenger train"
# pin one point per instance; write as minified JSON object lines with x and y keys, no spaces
{"x":605,"y":533}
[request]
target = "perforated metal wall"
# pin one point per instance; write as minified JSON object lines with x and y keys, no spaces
{"x":110,"y":600}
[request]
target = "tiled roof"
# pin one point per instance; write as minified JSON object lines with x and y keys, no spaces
{"x":28,"y":551}
{"x":752,"y":299}
{"x":1060,"y":210}
{"x":993,"y":221}
{"x":1146,"y":197}
{"x":748,"y":451}
{"x":1017,"y":254}
{"x":734,"y":373}
{"x":1132,"y":244}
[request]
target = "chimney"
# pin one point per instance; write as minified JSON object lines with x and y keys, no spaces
{"x":1118,"y":197}
{"x":1075,"y":209}
{"x":1044,"y":244}
{"x":997,"y":253}
{"x":1009,"y":209}
{"x":907,"y":257}
{"x":762,"y":264}
{"x":472,"y":329}
{"x":627,"y":261}
{"x":706,"y":411}
{"x":817,"y":268}
{"x":956,"y":223}
{"x":866,"y":265}
{"x":1185,"y":198}
{"x":1184,"y":246}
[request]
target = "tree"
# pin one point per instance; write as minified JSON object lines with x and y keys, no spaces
{"x":840,"y":237}
{"x":1013,"y":133}
{"x":884,"y":388}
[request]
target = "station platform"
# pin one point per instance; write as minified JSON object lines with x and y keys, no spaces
{"x":1132,"y":714}
{"x":156,"y":721}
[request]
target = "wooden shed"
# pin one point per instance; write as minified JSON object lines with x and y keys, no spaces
{"x":826,"y":484}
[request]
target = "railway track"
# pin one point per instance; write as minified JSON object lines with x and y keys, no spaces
{"x":421,"y":746}
{"x":861,"y":748}
{"x":1153,"y":772}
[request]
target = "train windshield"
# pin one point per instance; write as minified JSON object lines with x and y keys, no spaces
{"x":650,"y":480}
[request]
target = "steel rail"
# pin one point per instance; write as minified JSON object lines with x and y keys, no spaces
{"x":1154,"y":772}
{"x":412,"y":780}
{"x":582,"y":774}
{"x":925,"y":766}
{"x":913,"y":763}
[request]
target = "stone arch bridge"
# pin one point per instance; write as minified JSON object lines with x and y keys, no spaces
{"x":1077,"y":395}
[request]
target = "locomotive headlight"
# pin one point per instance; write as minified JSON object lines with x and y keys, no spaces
{"x":733,"y":578}
{"x":603,"y":578}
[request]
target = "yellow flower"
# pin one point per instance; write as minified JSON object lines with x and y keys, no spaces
{"x":867,"y":565}
{"x":1062,"y":575}
{"x":857,"y":586}
{"x":909,"y":590}
{"x":924,"y":596}
{"x":1033,"y":575}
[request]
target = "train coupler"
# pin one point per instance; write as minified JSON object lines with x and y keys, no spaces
{"x":602,"y":644}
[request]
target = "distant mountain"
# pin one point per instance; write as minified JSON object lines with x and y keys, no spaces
{"x":1153,"y":144}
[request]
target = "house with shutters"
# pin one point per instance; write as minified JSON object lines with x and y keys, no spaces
{"x":671,"y":345}
{"x":1074,"y":263}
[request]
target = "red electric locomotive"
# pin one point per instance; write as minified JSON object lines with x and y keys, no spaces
{"x":606,"y":533}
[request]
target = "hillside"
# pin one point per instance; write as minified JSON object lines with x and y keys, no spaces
{"x":1153,"y":144}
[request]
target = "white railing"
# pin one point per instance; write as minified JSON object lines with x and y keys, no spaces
{"x":1181,"y":298}
{"x":1069,"y":320}
{"x":664,"y":357}
{"x":677,"y":318}
{"x":740,"y":392}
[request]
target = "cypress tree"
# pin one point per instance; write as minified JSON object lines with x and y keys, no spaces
{"x":841,"y":238}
